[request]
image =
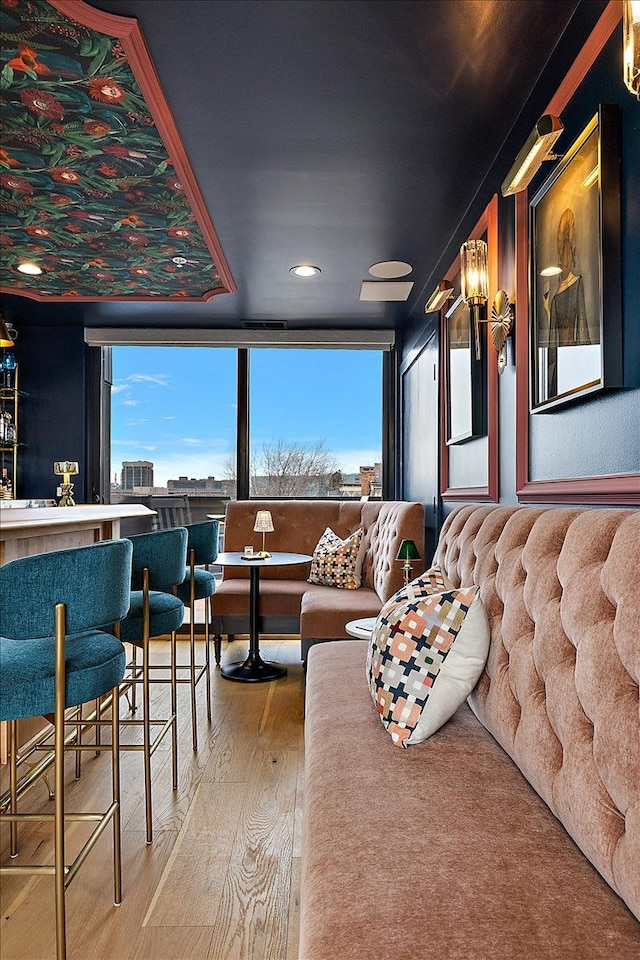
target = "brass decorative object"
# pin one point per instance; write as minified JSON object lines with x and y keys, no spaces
{"x":66,"y":469}
{"x":501,"y":325}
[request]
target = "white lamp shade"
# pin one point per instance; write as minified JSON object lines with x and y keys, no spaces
{"x":264,"y":522}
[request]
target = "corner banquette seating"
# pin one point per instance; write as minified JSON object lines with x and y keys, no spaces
{"x":514,"y":831}
{"x":288,"y":603}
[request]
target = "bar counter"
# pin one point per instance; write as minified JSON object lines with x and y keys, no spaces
{"x":28,"y":530}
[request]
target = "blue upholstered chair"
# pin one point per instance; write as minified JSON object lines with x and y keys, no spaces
{"x":53,"y":657}
{"x":158,"y":566}
{"x":202,"y":550}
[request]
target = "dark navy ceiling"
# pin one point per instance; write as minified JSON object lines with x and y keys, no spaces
{"x":339,"y":133}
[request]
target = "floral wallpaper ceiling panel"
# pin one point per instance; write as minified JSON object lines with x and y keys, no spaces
{"x":95,"y":185}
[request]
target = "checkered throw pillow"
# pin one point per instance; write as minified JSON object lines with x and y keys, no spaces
{"x":425,"y":656}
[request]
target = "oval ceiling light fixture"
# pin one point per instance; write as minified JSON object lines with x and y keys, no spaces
{"x":305,"y":270}
{"x":390,"y":269}
{"x":550,"y":271}
{"x":32,"y":269}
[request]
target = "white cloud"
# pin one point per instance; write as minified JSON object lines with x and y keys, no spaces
{"x":134,"y":423}
{"x":192,"y":440}
{"x":168,"y":418}
{"x":131,"y":403}
{"x":119,"y":388}
{"x":160,"y":379}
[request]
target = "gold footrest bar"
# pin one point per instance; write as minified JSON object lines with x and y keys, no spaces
{"x":102,"y":819}
{"x":39,"y":769}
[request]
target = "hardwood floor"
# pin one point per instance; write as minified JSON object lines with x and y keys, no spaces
{"x":221,"y":878}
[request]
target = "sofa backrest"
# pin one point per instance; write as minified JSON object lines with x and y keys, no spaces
{"x":561,"y":588}
{"x":299,"y":524}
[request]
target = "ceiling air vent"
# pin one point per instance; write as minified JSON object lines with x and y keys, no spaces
{"x":265,"y":324}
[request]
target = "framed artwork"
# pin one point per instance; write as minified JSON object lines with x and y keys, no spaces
{"x":464,"y":377}
{"x":574,"y":240}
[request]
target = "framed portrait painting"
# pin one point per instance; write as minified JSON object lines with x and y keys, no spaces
{"x":465,"y":377}
{"x":575,"y":302}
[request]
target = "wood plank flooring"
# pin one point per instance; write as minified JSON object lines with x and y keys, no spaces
{"x":221,"y":879}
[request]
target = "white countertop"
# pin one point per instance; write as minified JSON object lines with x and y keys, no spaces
{"x":17,"y":518}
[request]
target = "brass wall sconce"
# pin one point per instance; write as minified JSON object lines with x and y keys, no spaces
{"x":263,"y":524}
{"x":66,"y":469}
{"x":474,"y":282}
{"x":501,"y":325}
{"x":6,"y":339}
{"x":442,"y":293}
{"x":536,"y":150}
{"x":407,"y":552}
{"x":631,"y":45}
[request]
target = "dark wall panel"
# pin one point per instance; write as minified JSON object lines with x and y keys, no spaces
{"x":601,"y":435}
{"x":52,"y":372}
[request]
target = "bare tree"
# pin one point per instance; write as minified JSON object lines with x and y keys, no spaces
{"x":285,"y":468}
{"x":290,"y":468}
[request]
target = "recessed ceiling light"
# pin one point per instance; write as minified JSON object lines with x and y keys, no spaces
{"x":305,"y":270}
{"x":31,"y":268}
{"x":390,"y":269}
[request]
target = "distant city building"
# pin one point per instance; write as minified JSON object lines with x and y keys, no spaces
{"x":371,"y":481}
{"x":207,"y":487}
{"x":135,"y":474}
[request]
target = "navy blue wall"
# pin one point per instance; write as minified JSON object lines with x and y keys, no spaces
{"x":52,"y":417}
{"x":598,"y":436}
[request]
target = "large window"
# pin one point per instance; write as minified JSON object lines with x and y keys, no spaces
{"x":173,"y":423}
{"x":315,"y":423}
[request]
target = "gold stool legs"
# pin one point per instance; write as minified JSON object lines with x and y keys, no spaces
{"x":207,"y":655}
{"x":58,"y":800}
{"x":13,"y":785}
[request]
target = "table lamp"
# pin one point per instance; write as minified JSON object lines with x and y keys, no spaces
{"x":407,"y":552}
{"x":66,"y":469}
{"x":263,"y":524}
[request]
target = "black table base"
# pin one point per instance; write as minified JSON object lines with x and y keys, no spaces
{"x":253,"y":670}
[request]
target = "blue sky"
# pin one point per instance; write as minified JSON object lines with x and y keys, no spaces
{"x":176,"y":406}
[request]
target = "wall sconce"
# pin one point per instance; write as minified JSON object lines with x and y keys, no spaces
{"x":536,"y":150}
{"x":66,"y":469}
{"x":407,"y":552}
{"x":442,"y":293}
{"x":474,"y":282}
{"x":501,"y":325}
{"x":263,"y":524}
{"x":5,"y":334}
{"x":631,"y":45}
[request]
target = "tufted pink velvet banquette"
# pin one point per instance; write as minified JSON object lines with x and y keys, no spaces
{"x":290,"y":605}
{"x":468,"y":845}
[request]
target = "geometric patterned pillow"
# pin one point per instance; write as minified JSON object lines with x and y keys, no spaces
{"x":431,"y":581}
{"x":425,"y":658}
{"x":334,"y":560}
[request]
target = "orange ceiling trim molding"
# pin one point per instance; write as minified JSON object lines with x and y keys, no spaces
{"x":166,"y":219}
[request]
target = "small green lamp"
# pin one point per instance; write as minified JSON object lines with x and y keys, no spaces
{"x":407,"y":552}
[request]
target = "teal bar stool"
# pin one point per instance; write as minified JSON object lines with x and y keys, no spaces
{"x":158,"y":566}
{"x":199,"y":584}
{"x":57,"y":654}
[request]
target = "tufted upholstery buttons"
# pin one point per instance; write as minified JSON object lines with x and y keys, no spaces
{"x":560,"y":691}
